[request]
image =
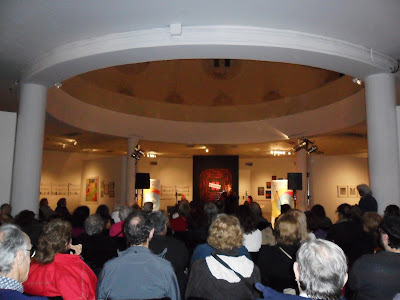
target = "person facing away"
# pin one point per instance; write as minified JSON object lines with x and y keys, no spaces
{"x":137,"y":273}
{"x":320,"y":271}
{"x":377,"y":276}
{"x":15,"y":254}
{"x":170,"y":248}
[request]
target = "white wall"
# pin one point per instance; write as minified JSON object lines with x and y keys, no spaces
{"x":64,"y":167}
{"x":108,"y":169}
{"x":8,"y":121}
{"x":262,"y":170}
{"x":170,"y":172}
{"x":327,"y":172}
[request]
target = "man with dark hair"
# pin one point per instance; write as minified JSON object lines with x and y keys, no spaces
{"x":170,"y":248}
{"x":137,"y":273}
{"x":377,"y":276}
{"x":15,"y":254}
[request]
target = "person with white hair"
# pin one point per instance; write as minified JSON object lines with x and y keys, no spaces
{"x":320,"y":270}
{"x":367,"y":201}
{"x":117,"y":229}
{"x":15,"y":253}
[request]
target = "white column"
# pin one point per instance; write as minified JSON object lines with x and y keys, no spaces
{"x":28,"y":148}
{"x":130,"y":172}
{"x":383,"y":146}
{"x":301,"y":167}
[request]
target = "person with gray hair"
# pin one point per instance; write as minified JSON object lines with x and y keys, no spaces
{"x":170,"y":248}
{"x":211,"y":211}
{"x":367,"y":201}
{"x":320,"y":270}
{"x":97,"y":247}
{"x":15,"y":254}
{"x":148,"y":207}
{"x":116,"y":229}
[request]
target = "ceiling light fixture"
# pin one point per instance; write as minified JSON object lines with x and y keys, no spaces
{"x":312,"y":149}
{"x":58,"y":85}
{"x":305,"y":143}
{"x":357,"y":81}
{"x":207,"y":150}
{"x":137,"y":153}
{"x":151,"y":154}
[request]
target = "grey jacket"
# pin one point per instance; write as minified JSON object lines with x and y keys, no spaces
{"x":137,"y":274}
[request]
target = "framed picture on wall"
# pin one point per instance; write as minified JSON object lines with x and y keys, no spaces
{"x":353,"y":193}
{"x":273,"y":177}
{"x":260,"y":191}
{"x":267,"y":194}
{"x":342,"y":191}
{"x":92,"y":189}
{"x":268,"y":184}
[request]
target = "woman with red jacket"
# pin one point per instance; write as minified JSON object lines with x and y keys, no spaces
{"x":54,"y":272}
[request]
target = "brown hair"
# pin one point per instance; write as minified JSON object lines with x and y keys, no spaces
{"x":287,"y":230}
{"x":55,"y":238}
{"x":225,"y":233}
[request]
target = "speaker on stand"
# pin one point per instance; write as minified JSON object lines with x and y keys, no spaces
{"x":295,"y":183}
{"x":142,"y":182}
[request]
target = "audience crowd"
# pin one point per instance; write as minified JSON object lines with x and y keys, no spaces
{"x":214,"y":250}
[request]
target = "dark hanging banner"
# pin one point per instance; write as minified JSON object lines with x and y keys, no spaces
{"x":213,"y":175}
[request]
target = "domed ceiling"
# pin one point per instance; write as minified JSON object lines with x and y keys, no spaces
{"x":210,"y":90}
{"x":193,"y":89}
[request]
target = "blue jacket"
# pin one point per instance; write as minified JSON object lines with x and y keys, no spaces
{"x":14,"y":295}
{"x":137,"y":273}
{"x":204,"y":250}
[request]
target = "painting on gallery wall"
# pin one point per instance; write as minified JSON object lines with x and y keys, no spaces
{"x":260,"y":191}
{"x":342,"y":191}
{"x":92,"y":189}
{"x":353,"y":193}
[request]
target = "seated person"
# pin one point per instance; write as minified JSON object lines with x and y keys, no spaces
{"x":377,"y":276}
{"x":54,"y":272}
{"x":276,"y":262}
{"x":97,"y":247}
{"x":15,"y":253}
{"x":320,"y":270}
{"x":213,"y":277}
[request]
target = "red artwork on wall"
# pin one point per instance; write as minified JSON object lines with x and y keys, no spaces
{"x":213,"y":182}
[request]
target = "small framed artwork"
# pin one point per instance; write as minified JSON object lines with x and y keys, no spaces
{"x":353,"y":193}
{"x":111,"y":186}
{"x":267,"y":194}
{"x":260,"y":191}
{"x":273,"y":177}
{"x":342,"y":191}
{"x":268,"y":184}
{"x":111,"y":194}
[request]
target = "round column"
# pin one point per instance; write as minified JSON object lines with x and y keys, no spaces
{"x":28,"y":148}
{"x":301,"y":167}
{"x":383,"y":146}
{"x":130,"y":172}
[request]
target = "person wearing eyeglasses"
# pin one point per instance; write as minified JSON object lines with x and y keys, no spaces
{"x":15,"y":253}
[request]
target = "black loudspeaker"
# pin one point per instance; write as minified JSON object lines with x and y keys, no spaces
{"x":295,"y":181}
{"x":142,"y":181}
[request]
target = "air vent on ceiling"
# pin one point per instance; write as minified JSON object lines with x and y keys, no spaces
{"x":249,"y":164}
{"x":153,"y":163}
{"x":71,"y":134}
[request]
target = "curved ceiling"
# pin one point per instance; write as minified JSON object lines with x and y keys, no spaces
{"x":49,"y":41}
{"x":212,"y":90}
